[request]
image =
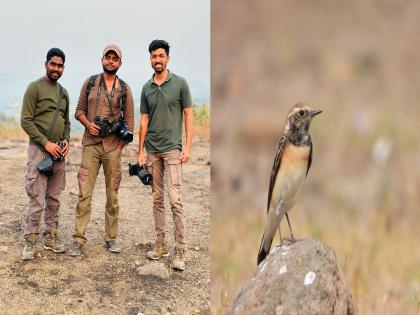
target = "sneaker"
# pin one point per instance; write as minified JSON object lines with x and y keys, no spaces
{"x":53,"y":242}
{"x":112,"y":246}
{"x":29,"y":250}
{"x":74,"y":248}
{"x":159,"y":250}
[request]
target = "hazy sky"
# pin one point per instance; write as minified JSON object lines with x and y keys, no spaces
{"x":82,"y":28}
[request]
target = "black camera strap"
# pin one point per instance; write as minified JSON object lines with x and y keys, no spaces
{"x":121,"y":99}
{"x":57,"y":109}
{"x":109,"y":98}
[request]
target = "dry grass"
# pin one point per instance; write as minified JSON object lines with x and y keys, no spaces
{"x":11,"y":131}
{"x":201,"y":122}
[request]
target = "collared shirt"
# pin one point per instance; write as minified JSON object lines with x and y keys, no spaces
{"x":97,"y":104}
{"x":165,"y":106}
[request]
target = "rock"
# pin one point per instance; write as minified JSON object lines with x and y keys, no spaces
{"x":155,"y":269}
{"x":299,"y":278}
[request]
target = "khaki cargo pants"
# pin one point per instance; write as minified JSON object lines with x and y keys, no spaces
{"x":158,"y":165}
{"x":93,"y":157}
{"x":44,"y":192}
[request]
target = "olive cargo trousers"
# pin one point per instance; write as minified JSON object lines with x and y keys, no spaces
{"x":93,"y":157}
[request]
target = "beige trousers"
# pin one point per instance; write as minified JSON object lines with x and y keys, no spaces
{"x":158,"y":165}
{"x":44,"y":192}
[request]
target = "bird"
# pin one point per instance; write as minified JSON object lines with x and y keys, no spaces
{"x":290,"y":168}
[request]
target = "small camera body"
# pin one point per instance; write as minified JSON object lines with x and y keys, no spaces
{"x":45,"y":167}
{"x":141,"y":172}
{"x":104,"y":125}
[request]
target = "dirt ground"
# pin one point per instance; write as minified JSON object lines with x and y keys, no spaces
{"x":99,"y":282}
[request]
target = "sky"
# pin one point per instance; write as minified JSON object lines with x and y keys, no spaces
{"x":82,"y":28}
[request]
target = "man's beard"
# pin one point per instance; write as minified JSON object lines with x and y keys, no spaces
{"x":108,"y":71}
{"x":53,"y":79}
{"x":161,"y":69}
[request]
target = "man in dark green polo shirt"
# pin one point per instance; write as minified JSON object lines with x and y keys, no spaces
{"x":165,"y":99}
{"x":45,"y":118}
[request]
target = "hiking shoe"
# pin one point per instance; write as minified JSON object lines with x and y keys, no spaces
{"x":159,"y":249}
{"x":74,"y":249}
{"x":53,"y":242}
{"x":112,"y":246}
{"x":29,"y":250}
{"x":178,"y":261}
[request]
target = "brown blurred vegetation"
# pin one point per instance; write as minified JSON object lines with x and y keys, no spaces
{"x":359,"y":62}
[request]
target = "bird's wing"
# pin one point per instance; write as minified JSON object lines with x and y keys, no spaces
{"x":310,"y":157}
{"x":276,"y":166}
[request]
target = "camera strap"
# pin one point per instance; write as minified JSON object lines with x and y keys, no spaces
{"x":121,"y":99}
{"x":57,"y":109}
{"x":109,"y":98}
{"x":54,"y":120}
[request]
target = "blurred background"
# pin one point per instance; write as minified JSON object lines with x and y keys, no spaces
{"x":359,"y":62}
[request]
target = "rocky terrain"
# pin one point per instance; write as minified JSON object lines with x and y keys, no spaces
{"x":99,"y":282}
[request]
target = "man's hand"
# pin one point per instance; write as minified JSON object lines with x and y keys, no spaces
{"x":53,"y":149}
{"x":65,"y":148}
{"x":142,"y":158}
{"x":185,"y":156}
{"x":93,"y":129}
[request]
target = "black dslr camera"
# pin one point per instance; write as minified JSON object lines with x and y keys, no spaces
{"x":104,"y":125}
{"x":45,"y":167}
{"x":120,"y":128}
{"x":142,"y":173}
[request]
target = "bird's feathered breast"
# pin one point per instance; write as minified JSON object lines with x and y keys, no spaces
{"x":291,"y":156}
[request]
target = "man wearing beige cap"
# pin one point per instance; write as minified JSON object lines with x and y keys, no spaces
{"x":105,"y":109}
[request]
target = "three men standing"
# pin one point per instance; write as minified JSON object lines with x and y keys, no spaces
{"x":165,"y":99}
{"x":105,"y":103}
{"x":45,"y":118}
{"x":105,"y":108}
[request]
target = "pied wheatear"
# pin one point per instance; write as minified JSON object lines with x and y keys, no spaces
{"x":291,"y":165}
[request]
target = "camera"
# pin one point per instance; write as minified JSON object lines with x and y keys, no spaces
{"x":120,"y":128}
{"x":142,"y":173}
{"x":104,"y":125}
{"x":45,"y":167}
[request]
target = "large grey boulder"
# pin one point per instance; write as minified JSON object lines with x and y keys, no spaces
{"x":298,"y":278}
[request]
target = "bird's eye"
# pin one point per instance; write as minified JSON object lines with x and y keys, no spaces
{"x":301,"y":112}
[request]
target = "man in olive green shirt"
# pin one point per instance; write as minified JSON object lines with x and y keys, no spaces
{"x":165,"y":99}
{"x":45,"y":118}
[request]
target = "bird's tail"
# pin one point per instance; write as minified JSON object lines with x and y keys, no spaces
{"x":264,"y":249}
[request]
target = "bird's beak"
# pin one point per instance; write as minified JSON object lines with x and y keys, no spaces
{"x":315,"y":112}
